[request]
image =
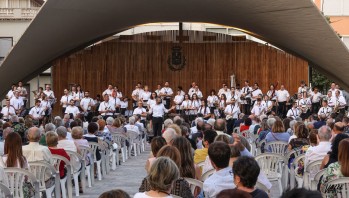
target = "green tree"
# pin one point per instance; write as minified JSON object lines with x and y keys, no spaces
{"x":320,"y":81}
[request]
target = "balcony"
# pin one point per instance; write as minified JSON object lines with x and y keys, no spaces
{"x":18,"y":13}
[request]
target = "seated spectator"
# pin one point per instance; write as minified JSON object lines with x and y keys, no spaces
{"x":187,"y":161}
{"x":337,"y":169}
{"x":337,"y":129}
{"x":48,"y":127}
{"x":313,"y":139}
{"x":34,"y":151}
{"x":233,"y":193}
{"x":156,"y":144}
{"x":181,"y":186}
{"x":200,"y":154}
{"x":185,"y":133}
{"x":219,"y":153}
{"x":246,"y":125}
{"x":301,"y":139}
{"x":320,"y":151}
{"x":161,"y":181}
{"x":78,"y":138}
{"x":6,"y":131}
{"x":103,"y":130}
{"x":19,"y":128}
{"x":63,"y":142}
{"x":52,"y":142}
{"x":169,"y":135}
{"x":321,"y":122}
{"x":220,"y":127}
{"x":13,"y":156}
{"x":131,"y":125}
{"x":295,"y":125}
{"x":114,"y":194}
{"x":301,"y":193}
{"x":246,"y":171}
{"x":240,"y":120}
{"x":266,"y":127}
{"x":176,"y":128}
{"x":277,"y":133}
{"x":332,"y":156}
{"x":91,"y":137}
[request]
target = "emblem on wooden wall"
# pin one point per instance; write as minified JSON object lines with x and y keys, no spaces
{"x":176,"y":61}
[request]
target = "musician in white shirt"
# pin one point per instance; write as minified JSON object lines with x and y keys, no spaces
{"x":65,"y":100}
{"x":186,"y":104}
{"x":158,"y":89}
{"x":108,"y":91}
{"x":123,"y":106}
{"x":256,"y":93}
{"x":178,"y":101}
{"x":315,"y":100}
{"x":152,"y":100}
{"x":48,"y":92}
{"x":86,"y":104}
{"x":144,"y":96}
{"x":282,"y":98}
{"x":8,"y":111}
{"x":221,"y":90}
{"x":271,"y":92}
{"x":73,"y":91}
{"x":340,"y":103}
{"x":22,"y":93}
{"x":37,"y":113}
{"x":246,"y":98}
{"x":180,"y":88}
{"x":303,"y":88}
{"x":325,"y":110}
{"x":135,"y":95}
{"x":258,"y":109}
{"x":79,"y":95}
{"x":233,"y":94}
{"x":222,"y":104}
{"x":294,"y":112}
{"x":106,"y":108}
{"x":212,"y":101}
{"x":231,"y":112}
{"x":269,"y":105}
{"x":195,"y":104}
{"x":116,"y":102}
{"x":204,"y":110}
{"x":140,"y":111}
{"x":10,"y":93}
{"x":333,"y":90}
{"x":118,"y":93}
{"x":158,"y":111}
{"x":197,"y":92}
{"x":330,"y":100}
{"x":17,"y":102}
{"x":72,"y":109}
{"x":192,"y":89}
{"x":166,"y":93}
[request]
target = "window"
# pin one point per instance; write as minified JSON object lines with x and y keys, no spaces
{"x":5,"y":46}
{"x":335,"y":7}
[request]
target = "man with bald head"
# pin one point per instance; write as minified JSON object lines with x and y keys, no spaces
{"x":337,"y":129}
{"x":320,"y":151}
{"x":34,"y":151}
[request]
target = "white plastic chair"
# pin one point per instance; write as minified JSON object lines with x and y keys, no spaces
{"x":40,"y":170}
{"x":66,"y":182}
{"x":16,"y":178}
{"x":207,"y":174}
{"x":276,"y":147}
{"x":106,"y":157}
{"x":337,"y":188}
{"x":86,"y":153}
{"x":316,"y":179}
{"x":309,"y":172}
{"x":288,"y":172}
{"x":272,"y":165}
{"x":261,"y":186}
{"x":76,"y":171}
{"x":193,"y":183}
{"x":293,"y":172}
{"x":259,"y":147}
{"x":133,"y":138}
{"x":95,"y":147}
{"x":120,"y":140}
{"x":5,"y":191}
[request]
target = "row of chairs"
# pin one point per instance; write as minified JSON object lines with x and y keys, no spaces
{"x":40,"y":171}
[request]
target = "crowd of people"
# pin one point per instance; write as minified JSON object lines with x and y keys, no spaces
{"x":189,"y":135}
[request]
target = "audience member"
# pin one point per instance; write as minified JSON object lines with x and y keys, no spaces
{"x":156,"y":144}
{"x":320,"y":151}
{"x":34,"y":151}
{"x":114,"y":194}
{"x":200,"y":154}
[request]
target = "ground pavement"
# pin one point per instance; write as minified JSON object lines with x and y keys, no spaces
{"x":129,"y":176}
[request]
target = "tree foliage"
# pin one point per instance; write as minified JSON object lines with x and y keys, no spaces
{"x":320,"y":81}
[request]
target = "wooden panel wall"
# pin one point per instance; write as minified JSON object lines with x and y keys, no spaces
{"x":143,"y":58}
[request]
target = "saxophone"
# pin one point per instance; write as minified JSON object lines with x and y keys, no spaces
{"x":336,"y":107}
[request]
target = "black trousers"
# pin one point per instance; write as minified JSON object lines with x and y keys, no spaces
{"x":282,"y":109}
{"x":167,"y":103}
{"x":157,"y":125}
{"x":247,"y":109}
{"x":63,"y":110}
{"x":230,"y":126}
{"x":315,"y":107}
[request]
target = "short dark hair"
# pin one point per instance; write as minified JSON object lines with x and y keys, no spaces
{"x":232,"y":193}
{"x":73,"y":124}
{"x":248,"y":122}
{"x":301,"y":193}
{"x":209,"y":136}
{"x":156,"y":144}
{"x":247,"y":169}
{"x":219,"y":153}
{"x":92,"y":127}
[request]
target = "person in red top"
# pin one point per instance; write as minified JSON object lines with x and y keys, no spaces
{"x":52,"y":141}
{"x":246,"y":125}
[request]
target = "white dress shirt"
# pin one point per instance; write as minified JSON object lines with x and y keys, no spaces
{"x":217,"y":182}
{"x":315,"y":97}
{"x":115,"y":101}
{"x":17,"y":103}
{"x":270,"y":94}
{"x":256,"y":93}
{"x":204,"y":111}
{"x":293,"y":112}
{"x":158,"y":110}
{"x":185,"y":105}
{"x":317,"y":152}
{"x":65,"y":100}
{"x":151,"y":102}
{"x":340,"y":101}
{"x":68,"y":145}
{"x":191,"y":91}
{"x":85,"y":102}
{"x":7,"y":111}
{"x":282,"y":95}
{"x":106,"y":106}
{"x":145,"y":95}
{"x":211,"y":100}
{"x":35,"y":152}
{"x":36,"y":112}
{"x":139,"y":111}
{"x":325,"y":110}
{"x":232,"y":109}
{"x":167,"y":91}
{"x":49,"y":93}
{"x":124,"y":104}
{"x":10,"y":94}
{"x":72,"y":110}
{"x":258,"y":110}
{"x":195,"y":104}
{"x":178,"y":101}
{"x":108,"y":92}
{"x":132,"y":128}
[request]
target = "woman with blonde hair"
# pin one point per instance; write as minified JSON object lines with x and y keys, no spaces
{"x":278,"y":133}
{"x":163,"y":174}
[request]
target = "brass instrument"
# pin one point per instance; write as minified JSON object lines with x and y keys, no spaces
{"x":336,"y":107}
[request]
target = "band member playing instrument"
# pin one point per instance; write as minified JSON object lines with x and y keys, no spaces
{"x":135,"y":96}
{"x":73,"y":91}
{"x":294,"y":112}
{"x":78,"y":96}
{"x":86,"y":105}
{"x":195,"y":104}
{"x":197,"y":92}
{"x":222,"y":105}
{"x":65,"y":100}
{"x":158,"y":111}
{"x":144,"y":96}
{"x":17,"y":103}
{"x":51,"y":96}
{"x":330,"y":100}
{"x":282,"y":99}
{"x":106,"y":108}
{"x":303,"y":88}
{"x":109,"y":90}
{"x":22,"y":93}
{"x":315,"y":97}
{"x":152,"y":100}
{"x":212,"y":101}
{"x":180,"y":88}
{"x":233,"y":94}
{"x":258,"y":109}
{"x":166,"y":94}
{"x":38,"y":94}
{"x":271,"y":92}
{"x":158,"y":89}
{"x":255,"y":93}
{"x":117,"y":103}
{"x":224,"y":90}
{"x":269,"y":105}
{"x":178,"y":101}
{"x":192,"y":89}
{"x":186,"y":105}
{"x":123,"y":106}
{"x":246,"y":98}
{"x":10,"y":94}
{"x":72,"y":110}
{"x":340,"y":103}
{"x":46,"y":107}
{"x":333,"y":90}
{"x":303,"y":104}
{"x":204,"y":110}
{"x":140,"y":110}
{"x":8,"y":110}
{"x":231,"y":112}
{"x":325,"y":110}
{"x":117,"y":93}
{"x":37,"y":113}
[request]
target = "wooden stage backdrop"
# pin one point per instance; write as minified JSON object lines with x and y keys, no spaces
{"x":210,"y":60}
